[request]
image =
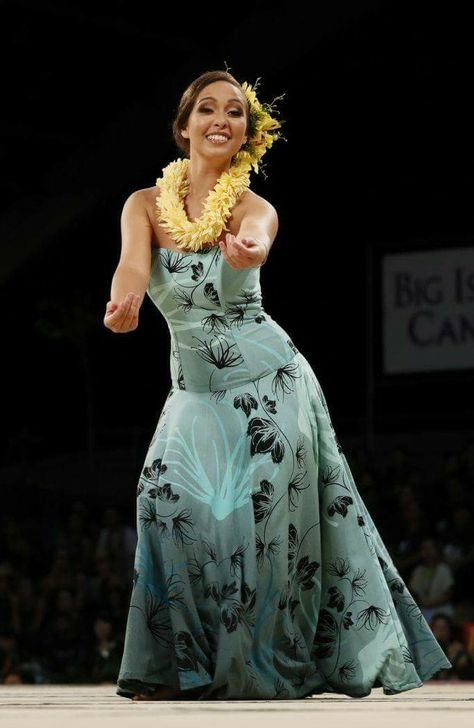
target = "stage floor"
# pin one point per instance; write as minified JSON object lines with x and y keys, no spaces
{"x":435,"y":705}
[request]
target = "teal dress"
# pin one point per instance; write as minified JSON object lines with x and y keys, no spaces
{"x":259,"y":573}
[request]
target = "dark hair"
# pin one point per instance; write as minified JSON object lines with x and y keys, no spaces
{"x":188,"y":99}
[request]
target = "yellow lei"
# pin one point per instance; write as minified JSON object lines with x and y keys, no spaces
{"x":217,"y":208}
{"x":174,"y":184}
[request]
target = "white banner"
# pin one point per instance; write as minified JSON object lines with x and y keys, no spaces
{"x":428,"y":310}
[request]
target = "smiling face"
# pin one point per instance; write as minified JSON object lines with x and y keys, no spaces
{"x":220,"y":109}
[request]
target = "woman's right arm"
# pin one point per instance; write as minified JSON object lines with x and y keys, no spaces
{"x":131,"y":277}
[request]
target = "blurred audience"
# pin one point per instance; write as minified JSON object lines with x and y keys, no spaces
{"x":450,"y":639}
{"x":107,"y":651}
{"x":66,"y":578}
{"x":432,"y":581}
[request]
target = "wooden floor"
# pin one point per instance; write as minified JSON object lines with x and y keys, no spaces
{"x":435,"y":705}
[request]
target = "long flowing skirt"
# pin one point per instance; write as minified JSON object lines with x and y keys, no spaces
{"x":259,"y":573}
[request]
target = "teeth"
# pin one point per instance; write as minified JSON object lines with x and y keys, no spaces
{"x":217,"y":137}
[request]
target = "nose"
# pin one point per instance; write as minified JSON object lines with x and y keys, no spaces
{"x":220,"y":122}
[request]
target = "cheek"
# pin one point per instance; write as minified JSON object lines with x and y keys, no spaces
{"x":197,"y":125}
{"x":239,"y":126}
{"x":200,"y":129}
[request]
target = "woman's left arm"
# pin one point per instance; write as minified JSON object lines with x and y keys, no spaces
{"x":260,"y":222}
{"x":257,"y":231}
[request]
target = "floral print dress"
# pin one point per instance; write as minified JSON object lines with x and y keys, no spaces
{"x":259,"y":573}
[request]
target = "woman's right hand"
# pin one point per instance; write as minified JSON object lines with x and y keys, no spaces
{"x":122,"y":317}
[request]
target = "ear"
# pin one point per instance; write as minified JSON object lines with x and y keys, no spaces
{"x":184,"y":133}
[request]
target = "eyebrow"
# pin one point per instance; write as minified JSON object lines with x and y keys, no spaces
{"x":212,"y":97}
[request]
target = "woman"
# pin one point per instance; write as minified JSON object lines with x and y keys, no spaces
{"x":259,"y":573}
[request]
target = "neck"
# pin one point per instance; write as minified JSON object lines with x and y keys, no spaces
{"x":203,"y":175}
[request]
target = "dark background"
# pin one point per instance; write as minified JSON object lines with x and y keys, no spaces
{"x":378,"y":155}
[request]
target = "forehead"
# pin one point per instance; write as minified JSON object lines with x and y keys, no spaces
{"x":220,"y":90}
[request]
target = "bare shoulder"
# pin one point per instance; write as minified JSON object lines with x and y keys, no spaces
{"x":143,"y":200}
{"x":145,"y":194}
{"x":150,"y":191}
{"x":136,"y":202}
{"x":252,"y":202}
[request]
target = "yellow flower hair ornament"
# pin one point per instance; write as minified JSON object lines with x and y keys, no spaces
{"x":263,"y":128}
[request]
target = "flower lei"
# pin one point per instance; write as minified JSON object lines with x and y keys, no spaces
{"x":174,"y":184}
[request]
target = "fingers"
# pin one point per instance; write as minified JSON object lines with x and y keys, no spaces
{"x":236,"y":251}
{"x":117,"y":315}
{"x":233,"y":246}
{"x":125,"y":316}
{"x":130,"y":314}
{"x":247,"y":243}
{"x":243,"y":245}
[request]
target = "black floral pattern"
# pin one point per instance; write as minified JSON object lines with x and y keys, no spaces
{"x":259,"y":573}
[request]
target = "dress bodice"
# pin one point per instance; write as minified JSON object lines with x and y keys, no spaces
{"x":221,"y":336}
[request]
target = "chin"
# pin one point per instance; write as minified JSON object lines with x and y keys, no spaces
{"x":220,"y":153}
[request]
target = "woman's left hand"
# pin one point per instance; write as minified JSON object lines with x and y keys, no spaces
{"x":242,"y":252}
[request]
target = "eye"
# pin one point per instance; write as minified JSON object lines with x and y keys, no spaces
{"x":233,"y":111}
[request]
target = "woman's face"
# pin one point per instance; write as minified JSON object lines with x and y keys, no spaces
{"x":224,"y":113}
